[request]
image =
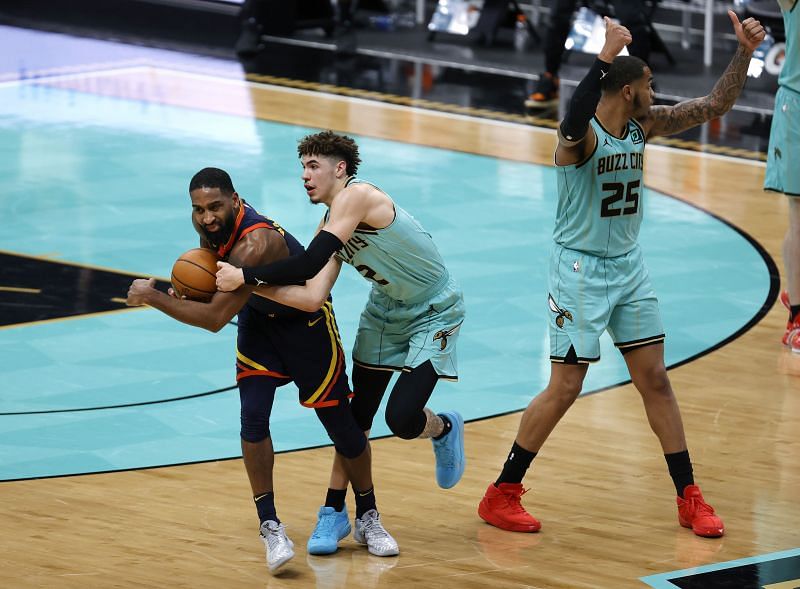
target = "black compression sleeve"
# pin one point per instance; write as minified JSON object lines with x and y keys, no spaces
{"x":583,"y":103}
{"x":296,"y":268}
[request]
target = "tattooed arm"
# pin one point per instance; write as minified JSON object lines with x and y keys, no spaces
{"x":668,"y":120}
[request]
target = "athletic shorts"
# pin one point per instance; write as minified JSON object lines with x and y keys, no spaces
{"x":304,"y":348}
{"x":401,"y":336}
{"x":588,"y":295}
{"x":783,"y":156}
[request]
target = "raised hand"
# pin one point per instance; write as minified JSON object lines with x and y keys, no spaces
{"x":749,"y":32}
{"x":617,"y":37}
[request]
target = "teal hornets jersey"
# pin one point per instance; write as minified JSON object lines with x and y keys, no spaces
{"x":790,"y":72}
{"x":600,"y":199}
{"x":400,"y":260}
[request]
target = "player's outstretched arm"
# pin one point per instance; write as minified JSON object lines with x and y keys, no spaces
{"x":212,"y":316}
{"x":574,"y":138}
{"x":291,"y":270}
{"x":349,"y":208}
{"x":308,"y":297}
{"x":668,"y":120}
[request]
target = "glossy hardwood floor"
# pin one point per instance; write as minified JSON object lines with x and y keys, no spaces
{"x":600,"y":485}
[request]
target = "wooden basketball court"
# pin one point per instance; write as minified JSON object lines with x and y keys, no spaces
{"x":600,"y":485}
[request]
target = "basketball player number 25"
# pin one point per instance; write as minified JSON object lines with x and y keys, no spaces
{"x":618,"y":190}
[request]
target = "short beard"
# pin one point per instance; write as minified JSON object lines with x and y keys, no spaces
{"x":221,"y":237}
{"x":638,"y":109}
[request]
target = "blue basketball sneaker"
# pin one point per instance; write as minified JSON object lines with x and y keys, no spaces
{"x":449,"y":451}
{"x":332,"y":526}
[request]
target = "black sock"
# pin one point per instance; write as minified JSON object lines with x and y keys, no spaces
{"x":335,"y":498}
{"x":516,"y":465}
{"x":365,"y":500}
{"x":793,"y":311}
{"x":680,"y":469}
{"x":265,"y":504}
{"x":448,"y":425}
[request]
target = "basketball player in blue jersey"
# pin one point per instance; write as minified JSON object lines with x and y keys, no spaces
{"x":275,"y":345}
{"x":411,"y":320}
{"x":783,"y":172}
{"x":598,"y":280}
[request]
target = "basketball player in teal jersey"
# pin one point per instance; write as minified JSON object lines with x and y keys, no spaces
{"x":598,"y":280}
{"x":275,"y":345}
{"x":411,"y":320}
{"x":783,"y":172}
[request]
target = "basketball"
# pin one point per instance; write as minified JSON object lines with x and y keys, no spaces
{"x":194,"y":274}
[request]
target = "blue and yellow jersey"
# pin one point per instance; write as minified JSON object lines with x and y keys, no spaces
{"x":400,"y":260}
{"x":600,"y":200}
{"x":247,"y":220}
{"x":790,"y":72}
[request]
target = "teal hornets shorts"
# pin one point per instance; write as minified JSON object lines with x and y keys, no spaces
{"x":783,"y":171}
{"x":399,"y":336}
{"x":588,"y":295}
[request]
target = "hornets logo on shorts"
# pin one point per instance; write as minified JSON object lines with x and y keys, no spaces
{"x":443,"y":334}
{"x":560,"y":313}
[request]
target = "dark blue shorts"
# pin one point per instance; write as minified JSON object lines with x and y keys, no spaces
{"x":304,"y":348}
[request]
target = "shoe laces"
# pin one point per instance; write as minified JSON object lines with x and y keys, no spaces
{"x":373,"y":529}
{"x":514,"y":501}
{"x":276,"y":536}
{"x":699,"y":507}
{"x":325,"y":525}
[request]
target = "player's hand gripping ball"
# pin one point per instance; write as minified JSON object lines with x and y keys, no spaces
{"x":194,"y":274}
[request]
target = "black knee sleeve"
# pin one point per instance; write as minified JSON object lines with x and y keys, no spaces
{"x":403,"y":425}
{"x":347,"y":437}
{"x":404,"y":412}
{"x":368,"y":388}
{"x":256,"y":394}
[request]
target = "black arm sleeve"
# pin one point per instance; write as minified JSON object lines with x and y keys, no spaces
{"x":295,"y":269}
{"x":583,"y":103}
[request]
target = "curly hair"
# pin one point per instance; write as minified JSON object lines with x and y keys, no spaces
{"x":330,"y":144}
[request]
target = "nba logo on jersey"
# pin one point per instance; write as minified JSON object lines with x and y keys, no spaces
{"x":636,"y":135}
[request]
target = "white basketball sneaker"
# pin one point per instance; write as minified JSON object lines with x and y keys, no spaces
{"x":371,"y":532}
{"x":277,"y":544}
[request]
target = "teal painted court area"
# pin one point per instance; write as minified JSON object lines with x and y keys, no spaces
{"x":102,"y":182}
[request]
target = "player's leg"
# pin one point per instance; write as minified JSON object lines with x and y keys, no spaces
{"x":429,"y":332}
{"x":313,"y":353}
{"x":355,"y":457}
{"x":369,"y":386}
{"x":577,"y":311}
{"x":256,"y":395}
{"x":783,"y":175}
{"x":791,"y":267}
{"x":546,"y":91}
{"x":646,"y":366}
{"x":501,"y":505}
{"x":636,"y":328}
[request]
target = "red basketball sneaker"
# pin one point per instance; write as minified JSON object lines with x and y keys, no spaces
{"x":791,"y":337}
{"x":501,"y":507}
{"x":695,"y":513}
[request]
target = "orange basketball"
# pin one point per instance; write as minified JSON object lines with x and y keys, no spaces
{"x":194,"y":274}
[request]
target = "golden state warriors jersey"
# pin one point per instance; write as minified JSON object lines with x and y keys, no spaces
{"x":247,"y":220}
{"x":400,"y":260}
{"x":600,"y":201}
